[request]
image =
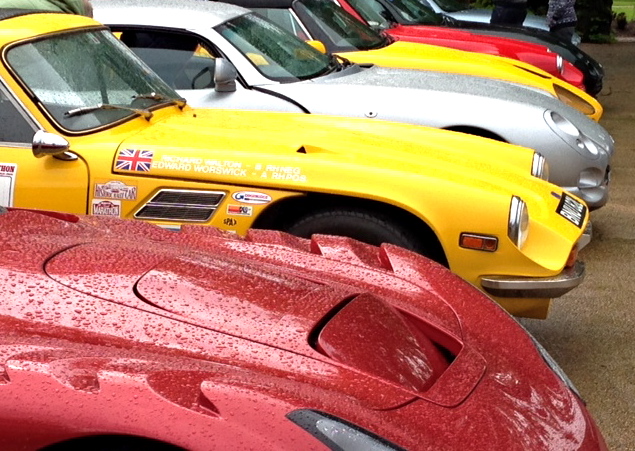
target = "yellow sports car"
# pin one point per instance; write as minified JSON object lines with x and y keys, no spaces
{"x":87,"y":128}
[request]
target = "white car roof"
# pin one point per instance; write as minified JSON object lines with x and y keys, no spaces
{"x":195,"y":14}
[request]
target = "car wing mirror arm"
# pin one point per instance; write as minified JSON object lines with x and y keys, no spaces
{"x":45,"y":143}
{"x":225,"y":76}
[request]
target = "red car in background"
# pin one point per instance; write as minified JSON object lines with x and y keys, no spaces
{"x":120,"y":335}
{"x":412,"y":21}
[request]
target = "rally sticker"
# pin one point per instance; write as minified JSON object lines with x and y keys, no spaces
{"x":115,"y":190}
{"x":7,"y":183}
{"x":240,"y":210}
{"x":251,"y":197}
{"x":106,"y":208}
{"x":572,"y":210}
{"x":134,"y":160}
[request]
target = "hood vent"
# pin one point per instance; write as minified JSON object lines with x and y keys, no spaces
{"x":181,"y":205}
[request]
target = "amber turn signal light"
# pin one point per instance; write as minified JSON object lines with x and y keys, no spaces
{"x":478,"y":242}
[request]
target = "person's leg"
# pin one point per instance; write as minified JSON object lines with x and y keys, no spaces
{"x":564,"y":33}
{"x":508,"y":15}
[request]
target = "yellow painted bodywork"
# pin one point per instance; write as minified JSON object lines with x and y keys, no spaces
{"x":450,"y":181}
{"x":409,"y":55}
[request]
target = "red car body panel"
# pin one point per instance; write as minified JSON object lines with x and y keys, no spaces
{"x":205,"y":340}
{"x":534,"y":54}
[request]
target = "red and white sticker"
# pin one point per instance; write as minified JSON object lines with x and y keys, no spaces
{"x":240,"y":210}
{"x":115,"y":190}
{"x":8,"y":173}
{"x":106,"y":208}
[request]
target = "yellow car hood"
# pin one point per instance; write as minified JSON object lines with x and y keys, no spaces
{"x":324,"y":147}
{"x":409,"y":55}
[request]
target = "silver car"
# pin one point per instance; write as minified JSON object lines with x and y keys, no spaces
{"x":223,"y":56}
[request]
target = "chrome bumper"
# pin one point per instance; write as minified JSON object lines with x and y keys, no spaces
{"x":535,"y":287}
{"x":586,"y":236}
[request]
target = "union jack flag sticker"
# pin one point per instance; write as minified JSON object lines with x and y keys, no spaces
{"x":134,"y":160}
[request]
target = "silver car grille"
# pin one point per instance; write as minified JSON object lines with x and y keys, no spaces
{"x":181,"y":205}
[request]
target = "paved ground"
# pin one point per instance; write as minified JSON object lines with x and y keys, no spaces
{"x":591,"y":330}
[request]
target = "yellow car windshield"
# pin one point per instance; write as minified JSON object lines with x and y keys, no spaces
{"x":87,"y":80}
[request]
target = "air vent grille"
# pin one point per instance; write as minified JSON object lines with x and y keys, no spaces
{"x":181,"y":205}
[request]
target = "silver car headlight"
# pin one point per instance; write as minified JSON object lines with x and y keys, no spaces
{"x":585,"y":143}
{"x":564,"y":125}
{"x":518,"y":226}
{"x":336,"y":433}
{"x":570,"y":133}
{"x":540,"y":167}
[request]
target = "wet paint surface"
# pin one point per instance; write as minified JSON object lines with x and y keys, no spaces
{"x":197,"y":338}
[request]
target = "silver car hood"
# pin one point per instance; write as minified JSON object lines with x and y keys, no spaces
{"x":403,"y":94}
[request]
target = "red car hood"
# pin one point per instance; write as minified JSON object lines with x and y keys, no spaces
{"x":465,"y":40}
{"x":271,"y":291}
{"x":315,"y":322}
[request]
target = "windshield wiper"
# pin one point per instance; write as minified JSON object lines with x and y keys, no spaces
{"x":180,"y":102}
{"x":343,"y":62}
{"x":147,"y":114}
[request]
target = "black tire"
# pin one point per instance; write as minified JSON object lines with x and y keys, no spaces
{"x":362,"y":225}
{"x":112,"y":443}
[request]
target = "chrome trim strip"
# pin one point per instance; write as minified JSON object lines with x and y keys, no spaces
{"x":536,"y":287}
{"x":586,"y":236}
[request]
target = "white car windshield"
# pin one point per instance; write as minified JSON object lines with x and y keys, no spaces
{"x":274,"y":52}
{"x":88,"y":80}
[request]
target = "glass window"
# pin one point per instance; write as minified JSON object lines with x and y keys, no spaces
{"x":339,"y":30}
{"x":14,"y":128}
{"x":286,"y":19}
{"x":274,"y":52}
{"x":87,"y":80}
{"x":179,"y":59}
{"x":402,"y":11}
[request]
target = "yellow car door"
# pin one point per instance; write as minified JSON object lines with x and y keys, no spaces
{"x":50,"y":183}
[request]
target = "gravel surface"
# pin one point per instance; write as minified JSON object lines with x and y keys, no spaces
{"x":591,"y":330}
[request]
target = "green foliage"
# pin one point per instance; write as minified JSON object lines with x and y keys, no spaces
{"x":594,"y":20}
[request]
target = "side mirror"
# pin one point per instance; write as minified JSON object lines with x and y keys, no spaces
{"x":45,"y":143}
{"x":317,"y":45}
{"x":225,"y":76}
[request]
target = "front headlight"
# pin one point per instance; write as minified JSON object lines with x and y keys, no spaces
{"x":540,"y":167}
{"x":574,"y":100}
{"x":564,"y":125}
{"x":339,"y":434}
{"x":518,"y":226}
{"x":568,"y":131}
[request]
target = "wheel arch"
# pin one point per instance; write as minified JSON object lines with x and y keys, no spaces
{"x":284,"y":213}
{"x":476,"y":131}
{"x":112,"y":442}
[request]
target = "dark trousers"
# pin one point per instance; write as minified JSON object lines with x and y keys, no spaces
{"x":509,"y":15}
{"x":564,"y":33}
